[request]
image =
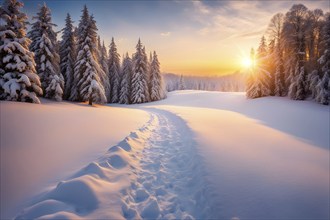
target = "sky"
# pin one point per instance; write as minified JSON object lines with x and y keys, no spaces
{"x":190,"y":37}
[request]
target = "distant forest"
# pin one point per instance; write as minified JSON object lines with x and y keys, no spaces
{"x":228,"y":83}
{"x":294,"y":60}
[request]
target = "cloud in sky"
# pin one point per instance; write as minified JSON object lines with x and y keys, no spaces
{"x":207,"y":33}
{"x":165,"y":34}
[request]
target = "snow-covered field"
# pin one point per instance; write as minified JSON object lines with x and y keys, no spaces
{"x":194,"y":155}
{"x":43,"y":144}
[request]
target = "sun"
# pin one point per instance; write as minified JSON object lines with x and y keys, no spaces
{"x":246,"y":62}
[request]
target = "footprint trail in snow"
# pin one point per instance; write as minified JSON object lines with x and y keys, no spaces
{"x":154,"y":173}
{"x":169,"y":182}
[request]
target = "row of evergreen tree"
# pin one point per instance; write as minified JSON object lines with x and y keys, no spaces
{"x":296,"y":59}
{"x":78,"y":68}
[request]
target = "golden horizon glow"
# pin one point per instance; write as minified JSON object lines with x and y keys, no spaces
{"x":190,"y":37}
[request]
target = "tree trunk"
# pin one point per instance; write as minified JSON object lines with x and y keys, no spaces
{"x":90,"y":102}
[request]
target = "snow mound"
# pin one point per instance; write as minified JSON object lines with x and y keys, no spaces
{"x":83,"y":193}
{"x":52,"y":152}
{"x":79,"y":192}
{"x":117,"y":161}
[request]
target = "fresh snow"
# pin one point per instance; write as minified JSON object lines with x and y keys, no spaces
{"x":198,"y":155}
{"x":256,"y":170}
{"x":58,"y":139}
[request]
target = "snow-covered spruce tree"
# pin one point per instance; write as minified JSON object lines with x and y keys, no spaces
{"x":99,"y":48}
{"x":323,"y":90}
{"x":104,"y":65}
{"x":182,"y":85}
{"x":101,"y":73}
{"x":279,"y":73}
{"x":294,"y":32}
{"x":18,"y":78}
{"x":297,"y":89}
{"x":156,"y":80}
{"x":45,"y":48}
{"x":104,"y":58}
{"x":114,"y":72}
{"x":323,"y":87}
{"x":275,"y":31}
{"x":263,"y":75}
{"x":147,"y":73}
{"x":270,"y":66}
{"x":139,"y":84}
{"x":258,"y":81}
{"x":124,"y":94}
{"x":68,"y":55}
{"x":80,"y":34}
{"x":87,"y":71}
{"x":314,"y":79}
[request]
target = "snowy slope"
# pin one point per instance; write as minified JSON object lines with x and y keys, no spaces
{"x":303,"y":119}
{"x":202,"y":155}
{"x":42,"y":144}
{"x":255,"y":169}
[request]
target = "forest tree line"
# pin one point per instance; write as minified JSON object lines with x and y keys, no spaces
{"x":76,"y":68}
{"x":295,"y":61}
{"x":228,"y":83}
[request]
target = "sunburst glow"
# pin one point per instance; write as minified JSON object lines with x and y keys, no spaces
{"x":246,"y":62}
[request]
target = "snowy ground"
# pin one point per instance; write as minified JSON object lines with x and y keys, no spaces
{"x":43,"y":144}
{"x":197,"y":155}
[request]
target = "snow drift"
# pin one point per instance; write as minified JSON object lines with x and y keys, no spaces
{"x":43,"y":144}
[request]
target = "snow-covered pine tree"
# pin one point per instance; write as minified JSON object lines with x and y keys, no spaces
{"x":156,"y":80}
{"x":99,"y":49}
{"x":68,"y":55}
{"x":124,"y":94}
{"x":80,"y":34}
{"x":114,"y":72}
{"x":45,"y":48}
{"x":104,"y":65}
{"x":18,"y":78}
{"x":263,"y":75}
{"x":323,"y":87}
{"x":279,"y":74}
{"x":104,"y":58}
{"x":87,"y":71}
{"x":147,"y":73}
{"x":182,"y":85}
{"x":297,"y":89}
{"x":150,"y":59}
{"x":275,"y":31}
{"x":270,"y":66}
{"x":294,"y":31}
{"x":101,"y":73}
{"x":139,"y":83}
{"x":314,"y":79}
{"x":258,"y":81}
